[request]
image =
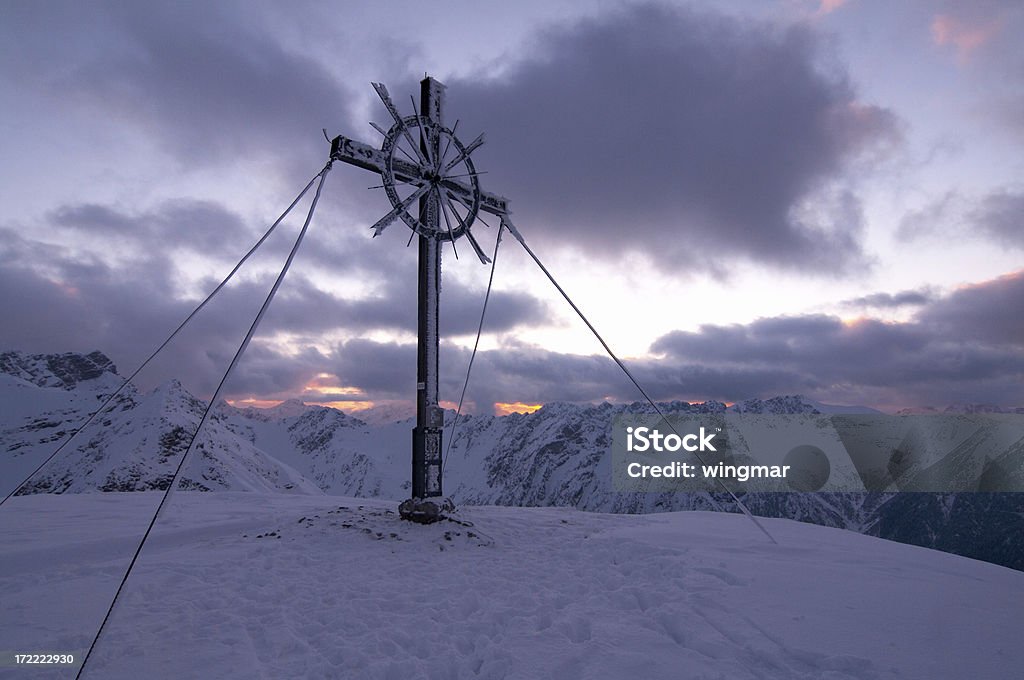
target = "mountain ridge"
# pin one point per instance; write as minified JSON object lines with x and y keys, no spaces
{"x":552,"y":457}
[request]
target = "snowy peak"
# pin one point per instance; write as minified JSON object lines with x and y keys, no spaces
{"x":56,"y":370}
{"x":786,"y":405}
{"x":316,"y":426}
{"x":974,"y":409}
{"x":388,"y":413}
{"x":795,"y":404}
{"x":696,"y":408}
{"x":290,"y":408}
{"x":961,"y":409}
{"x":134,"y":445}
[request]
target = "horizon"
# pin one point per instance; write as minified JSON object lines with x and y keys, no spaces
{"x":500,"y":410}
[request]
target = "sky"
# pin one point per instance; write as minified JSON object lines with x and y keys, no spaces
{"x":747,"y":199}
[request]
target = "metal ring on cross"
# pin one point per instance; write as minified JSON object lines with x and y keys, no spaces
{"x":433,"y":163}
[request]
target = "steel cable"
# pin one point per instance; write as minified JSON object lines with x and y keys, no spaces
{"x":164,"y":344}
{"x":206,"y":414}
{"x":472,"y":357}
{"x":519,"y":237}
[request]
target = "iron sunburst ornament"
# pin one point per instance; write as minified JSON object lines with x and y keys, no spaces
{"x":420,"y":159}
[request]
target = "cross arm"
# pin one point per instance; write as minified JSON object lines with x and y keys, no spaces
{"x":370,"y":158}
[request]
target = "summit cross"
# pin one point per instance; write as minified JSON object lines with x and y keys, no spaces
{"x":435,"y":169}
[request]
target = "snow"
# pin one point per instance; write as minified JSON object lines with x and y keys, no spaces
{"x":254,"y":582}
{"x":249,"y":585}
{"x":133,"y":445}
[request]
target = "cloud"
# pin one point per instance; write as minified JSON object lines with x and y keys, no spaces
{"x":691,"y":137}
{"x":984,"y":36}
{"x":967,"y":345}
{"x":937,"y":216}
{"x":964,"y":346}
{"x":991,"y":313}
{"x":965,"y":36}
{"x":199,"y":226}
{"x":381,"y":369}
{"x":208,"y":82}
{"x":1001,"y":215}
{"x":997,"y":217}
{"x":513,"y":373}
{"x":829,"y":6}
{"x":304,"y":308}
{"x":905,"y":298}
{"x":707,"y":138}
{"x":1008,"y":112}
{"x":696,"y":139}
{"x":68,"y":299}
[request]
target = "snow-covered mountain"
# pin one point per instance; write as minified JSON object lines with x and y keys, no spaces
{"x":553,"y":457}
{"x":135,"y":445}
{"x":59,"y":370}
{"x":794,"y":404}
{"x":962,"y":408}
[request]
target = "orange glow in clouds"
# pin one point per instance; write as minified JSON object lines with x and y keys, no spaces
{"x":829,"y":6}
{"x":255,"y":403}
{"x":504,"y":409}
{"x":965,"y":37}
{"x":349,"y":406}
{"x":327,"y":384}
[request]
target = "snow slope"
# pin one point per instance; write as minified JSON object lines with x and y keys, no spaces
{"x":257,"y":585}
{"x":134,"y":445}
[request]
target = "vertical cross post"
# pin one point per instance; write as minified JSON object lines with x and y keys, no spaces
{"x":426,"y":437}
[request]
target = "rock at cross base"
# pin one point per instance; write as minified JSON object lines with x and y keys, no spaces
{"x":425,"y":510}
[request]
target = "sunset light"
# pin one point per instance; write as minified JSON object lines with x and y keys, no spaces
{"x":504,"y":409}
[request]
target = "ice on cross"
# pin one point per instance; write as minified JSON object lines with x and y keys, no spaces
{"x":434,"y":169}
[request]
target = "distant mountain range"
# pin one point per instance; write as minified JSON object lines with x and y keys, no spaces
{"x":555,"y":456}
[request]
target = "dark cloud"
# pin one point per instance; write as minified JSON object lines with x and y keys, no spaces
{"x":304,"y":308}
{"x":936,"y":217}
{"x":516,"y":373}
{"x":529,"y":374}
{"x":906,"y":298}
{"x":201,"y":226}
{"x":694,"y":138}
{"x":691,"y":137}
{"x":996,"y":217}
{"x":961,"y":347}
{"x":1010,"y":113}
{"x":818,"y":347}
{"x":1001,"y":215}
{"x":264,"y":372}
{"x":381,"y":369}
{"x":991,"y":312}
{"x":79,"y":303}
{"x":210,"y":82}
{"x":967,"y":346}
{"x":69,"y":300}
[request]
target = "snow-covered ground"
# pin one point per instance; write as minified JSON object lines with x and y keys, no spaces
{"x":263,"y":585}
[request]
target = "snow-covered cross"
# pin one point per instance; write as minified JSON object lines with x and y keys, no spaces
{"x":435,"y":169}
